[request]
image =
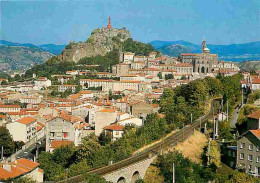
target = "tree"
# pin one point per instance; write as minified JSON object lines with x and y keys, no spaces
{"x":159,"y":75}
{"x":4,"y":82}
{"x":52,"y":171}
{"x":214,"y":154}
{"x":110,"y":95}
{"x":92,"y":178}
{"x":104,"y":139}
{"x":64,"y":155}
{"x":78,"y":168}
{"x":185,"y":170}
{"x":6,"y":141}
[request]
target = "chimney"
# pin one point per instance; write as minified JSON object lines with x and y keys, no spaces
{"x":7,"y":167}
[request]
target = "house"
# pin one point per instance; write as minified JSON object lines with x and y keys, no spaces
{"x":128,"y":57}
{"x":42,"y":82}
{"x":21,"y":168}
{"x":10,"y":108}
{"x":23,"y":129}
{"x":63,"y":88}
{"x":248,"y":152}
{"x":230,"y":156}
{"x":253,"y":122}
{"x":115,"y":131}
{"x":104,"y":117}
{"x":30,"y":100}
{"x":141,"y":109}
{"x":63,"y":127}
{"x":59,"y":143}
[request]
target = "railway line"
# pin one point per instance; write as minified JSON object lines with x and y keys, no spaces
{"x":171,"y":140}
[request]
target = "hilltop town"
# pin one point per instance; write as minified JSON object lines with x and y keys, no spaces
{"x":100,"y":101}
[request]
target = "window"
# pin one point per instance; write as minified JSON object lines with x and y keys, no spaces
{"x":242,"y":145}
{"x":229,"y":152}
{"x":257,"y":148}
{"x":250,"y":157}
{"x":249,"y":167}
{"x":250,"y":147}
{"x":65,"y":134}
{"x":234,"y":154}
{"x":258,"y":159}
{"x":242,"y":155}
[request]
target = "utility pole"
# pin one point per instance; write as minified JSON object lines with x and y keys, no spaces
{"x":2,"y":153}
{"x":227,"y":110}
{"x":214,"y":129}
{"x":242,"y":97}
{"x":183,"y":133}
{"x":190,"y":117}
{"x":200,"y":124}
{"x":173,"y":173}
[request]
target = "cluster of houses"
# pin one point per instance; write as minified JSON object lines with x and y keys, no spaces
{"x":30,"y":114}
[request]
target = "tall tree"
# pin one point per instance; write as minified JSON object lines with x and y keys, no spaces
{"x":6,"y":141}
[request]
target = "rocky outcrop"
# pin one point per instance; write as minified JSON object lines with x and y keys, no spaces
{"x":100,"y":42}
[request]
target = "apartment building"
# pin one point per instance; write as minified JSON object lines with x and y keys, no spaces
{"x":248,"y":152}
{"x":63,"y":128}
{"x":10,"y":108}
{"x":23,"y":129}
{"x":63,"y":88}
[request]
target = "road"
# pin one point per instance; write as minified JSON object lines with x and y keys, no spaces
{"x":234,"y":116}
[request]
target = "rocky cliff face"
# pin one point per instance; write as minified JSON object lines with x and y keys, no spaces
{"x":100,"y":42}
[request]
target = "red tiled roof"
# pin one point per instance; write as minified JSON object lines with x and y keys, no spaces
{"x":10,"y":106}
{"x":254,"y":115}
{"x":256,"y":133}
{"x":26,"y":120}
{"x":19,"y":167}
{"x":107,"y":110}
{"x":59,"y":143}
{"x":256,"y":81}
{"x":115,"y":127}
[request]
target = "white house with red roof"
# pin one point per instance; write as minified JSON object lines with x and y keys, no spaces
{"x":23,"y":129}
{"x":115,"y":131}
{"x":42,"y":82}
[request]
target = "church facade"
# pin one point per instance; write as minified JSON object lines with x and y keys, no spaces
{"x":203,"y":62}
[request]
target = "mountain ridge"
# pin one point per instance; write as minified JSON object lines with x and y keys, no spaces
{"x":52,"y":48}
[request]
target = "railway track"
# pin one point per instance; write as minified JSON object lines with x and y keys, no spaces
{"x":172,"y":140}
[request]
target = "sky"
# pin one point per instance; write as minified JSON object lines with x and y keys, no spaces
{"x":58,"y":22}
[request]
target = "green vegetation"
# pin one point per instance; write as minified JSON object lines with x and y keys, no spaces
{"x":52,"y":66}
{"x":105,"y":62}
{"x":136,"y":47}
{"x":189,"y":172}
{"x":6,"y":141}
{"x":185,"y":170}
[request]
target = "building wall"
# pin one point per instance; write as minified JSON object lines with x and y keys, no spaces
{"x":103,"y":119}
{"x":55,"y":130}
{"x":247,"y":139}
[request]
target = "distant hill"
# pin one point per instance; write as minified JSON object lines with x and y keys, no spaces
{"x":233,"y":52}
{"x":174,"y":50}
{"x":21,"y":57}
{"x":249,"y":65}
{"x":52,"y":48}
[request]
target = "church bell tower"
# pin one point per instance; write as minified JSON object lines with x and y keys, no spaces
{"x":203,"y":45}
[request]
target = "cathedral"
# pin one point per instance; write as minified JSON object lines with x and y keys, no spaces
{"x":203,"y":62}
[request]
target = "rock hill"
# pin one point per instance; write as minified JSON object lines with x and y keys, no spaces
{"x":100,"y":42}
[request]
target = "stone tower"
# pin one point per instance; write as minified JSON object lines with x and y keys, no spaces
{"x":109,"y":23}
{"x":203,"y":45}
